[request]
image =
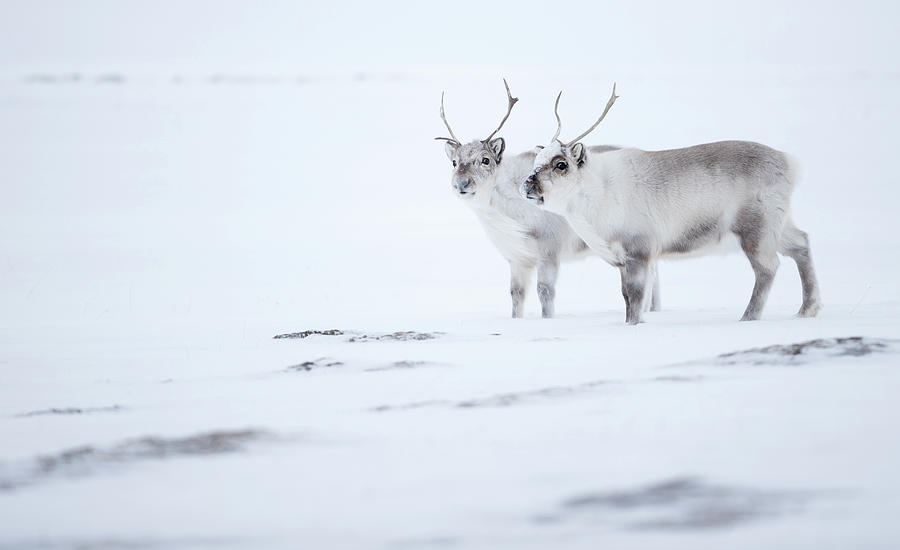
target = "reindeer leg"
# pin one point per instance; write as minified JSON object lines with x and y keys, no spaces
{"x":760,"y":244}
{"x":653,"y":301}
{"x":795,"y":244}
{"x":637,"y":265}
{"x":518,"y":280}
{"x":546,"y":285}
{"x":624,"y":291}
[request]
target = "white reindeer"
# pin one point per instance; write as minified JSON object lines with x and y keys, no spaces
{"x":634,"y":206}
{"x":487,"y":182}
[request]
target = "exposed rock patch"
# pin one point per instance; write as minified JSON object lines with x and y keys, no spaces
{"x":71,"y":411}
{"x":499,"y":400}
{"x":87,"y":459}
{"x":321,"y":362}
{"x":680,"y":504}
{"x":308,"y":333}
{"x":400,"y":336}
{"x":803,"y":352}
{"x":400,"y":365}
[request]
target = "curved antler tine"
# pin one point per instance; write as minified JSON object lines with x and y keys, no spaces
{"x":511,"y":101}
{"x":447,"y":124}
{"x":609,"y":104}
{"x":558,"y":121}
{"x":451,"y":140}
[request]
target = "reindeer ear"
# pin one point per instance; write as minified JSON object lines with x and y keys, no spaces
{"x":450,"y":148}
{"x":497,"y":147}
{"x":578,"y":153}
{"x":538,"y":148}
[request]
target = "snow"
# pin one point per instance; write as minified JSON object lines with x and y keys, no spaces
{"x":159,"y":228}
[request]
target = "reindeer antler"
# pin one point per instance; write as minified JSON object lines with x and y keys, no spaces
{"x":452,"y":137}
{"x":558,"y":121}
{"x":511,"y":102}
{"x":609,"y":104}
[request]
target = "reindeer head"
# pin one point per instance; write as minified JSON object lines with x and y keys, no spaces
{"x":558,"y":167}
{"x":475,"y":163}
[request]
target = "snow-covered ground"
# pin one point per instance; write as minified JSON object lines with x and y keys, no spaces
{"x":158,"y":229}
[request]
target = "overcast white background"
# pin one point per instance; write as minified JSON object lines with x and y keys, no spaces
{"x":179,"y":181}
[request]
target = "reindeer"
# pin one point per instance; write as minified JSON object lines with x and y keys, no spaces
{"x":527,"y":237}
{"x":633,"y":207}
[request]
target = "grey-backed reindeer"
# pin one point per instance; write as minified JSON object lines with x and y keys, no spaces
{"x":633,"y":206}
{"x":487,"y":181}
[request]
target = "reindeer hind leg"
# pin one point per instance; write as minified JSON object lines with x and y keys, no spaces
{"x":795,"y":244}
{"x":759,"y":241}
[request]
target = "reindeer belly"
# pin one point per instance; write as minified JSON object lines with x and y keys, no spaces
{"x":698,"y":235}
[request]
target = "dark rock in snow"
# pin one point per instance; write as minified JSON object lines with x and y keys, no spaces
{"x":400,"y":365}
{"x":502,"y":399}
{"x":400,"y":336}
{"x":133,"y":543}
{"x":318,"y":363}
{"x":788,"y":354}
{"x":87,"y":459}
{"x":684,"y":503}
{"x":308,"y":333}
{"x":71,"y":410}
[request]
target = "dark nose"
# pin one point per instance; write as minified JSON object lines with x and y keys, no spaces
{"x":532,"y":187}
{"x":463,"y":186}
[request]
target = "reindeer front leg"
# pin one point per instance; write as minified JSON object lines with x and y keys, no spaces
{"x":624,"y":289}
{"x":518,"y":281}
{"x":546,"y":285}
{"x":653,"y":301}
{"x":636,"y":272}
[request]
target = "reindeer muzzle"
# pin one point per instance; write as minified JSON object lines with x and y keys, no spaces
{"x":464,"y":186}
{"x":532,"y":189}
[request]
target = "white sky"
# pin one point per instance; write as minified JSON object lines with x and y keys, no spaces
{"x":170,"y":36}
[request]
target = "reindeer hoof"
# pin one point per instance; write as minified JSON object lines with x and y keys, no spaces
{"x":810,"y":310}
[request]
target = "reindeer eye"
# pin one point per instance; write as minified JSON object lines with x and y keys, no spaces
{"x":485,"y":161}
{"x":561,"y":166}
{"x":454,"y":164}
